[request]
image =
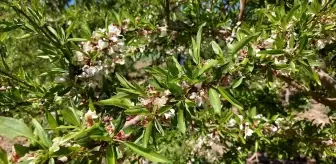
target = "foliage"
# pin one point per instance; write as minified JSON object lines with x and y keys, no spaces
{"x":167,"y":81}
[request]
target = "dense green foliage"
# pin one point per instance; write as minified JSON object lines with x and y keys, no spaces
{"x":167,"y":81}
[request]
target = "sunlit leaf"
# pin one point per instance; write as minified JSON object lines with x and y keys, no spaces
{"x":147,"y":153}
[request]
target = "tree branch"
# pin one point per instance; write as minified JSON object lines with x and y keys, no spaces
{"x":134,"y":121}
{"x":241,"y":9}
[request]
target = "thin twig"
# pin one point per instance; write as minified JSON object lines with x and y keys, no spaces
{"x":134,"y":121}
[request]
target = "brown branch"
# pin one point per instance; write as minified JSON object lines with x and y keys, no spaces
{"x":167,"y":12}
{"x":328,"y":82}
{"x":317,"y":96}
{"x":241,"y":9}
{"x":134,"y":121}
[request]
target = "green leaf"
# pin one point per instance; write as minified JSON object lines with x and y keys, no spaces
{"x":136,"y":111}
{"x":11,"y":128}
{"x":237,"y":82}
{"x":147,"y":134}
{"x":147,"y":153}
{"x":119,"y":102}
{"x":303,"y":43}
{"x":239,"y":45}
{"x":120,"y":123}
{"x":124,"y":82}
{"x":3,"y":156}
{"x":159,"y":127}
{"x":180,"y":120}
{"x":272,"y":52}
{"x":175,"y":88}
{"x":111,"y":155}
{"x":177,"y":64}
{"x":42,"y":134}
{"x":215,"y":100}
{"x":70,"y":116}
{"x":209,"y":64}
{"x":53,"y":31}
{"x":196,"y":54}
{"x":91,"y":106}
{"x":198,"y":42}
{"x":228,"y":97}
{"x":76,"y":40}
{"x":164,"y":109}
{"x":51,"y":120}
{"x":217,"y":49}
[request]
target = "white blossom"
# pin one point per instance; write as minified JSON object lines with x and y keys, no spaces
{"x":63,"y":159}
{"x":166,"y":93}
{"x":193,"y":95}
{"x":60,"y":80}
{"x":89,"y":115}
{"x":145,"y":102}
{"x":169,"y":114}
{"x":102,"y":44}
{"x":232,"y":123}
{"x":199,"y":101}
{"x":160,"y":101}
{"x":320,"y":43}
{"x":87,"y":47}
{"x":114,"y":39}
{"x":248,"y":132}
{"x":274,"y":128}
{"x":113,"y":30}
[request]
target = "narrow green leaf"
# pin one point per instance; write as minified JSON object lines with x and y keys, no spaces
{"x":164,"y":109}
{"x":139,"y":89}
{"x":121,"y":103}
{"x":209,"y":64}
{"x":316,"y":78}
{"x":111,"y":155}
{"x":76,"y":40}
{"x":147,"y":134}
{"x":228,"y":97}
{"x":51,"y":120}
{"x":194,"y":53}
{"x":303,"y":43}
{"x":147,"y":153}
{"x":240,"y":44}
{"x":70,"y":116}
{"x":272,"y":52}
{"x":124,"y":82}
{"x":198,"y":43}
{"x":237,"y":82}
{"x":217,"y":49}
{"x":11,"y":128}
{"x":120,"y":123}
{"x":174,"y":88}
{"x":136,"y":111}
{"x":181,"y":122}
{"x":177,"y":64}
{"x":53,"y":31}
{"x":42,"y":134}
{"x":159,"y":127}
{"x":91,"y":106}
{"x":215,"y":100}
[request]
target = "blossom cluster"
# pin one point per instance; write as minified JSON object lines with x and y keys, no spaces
{"x":99,"y":56}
